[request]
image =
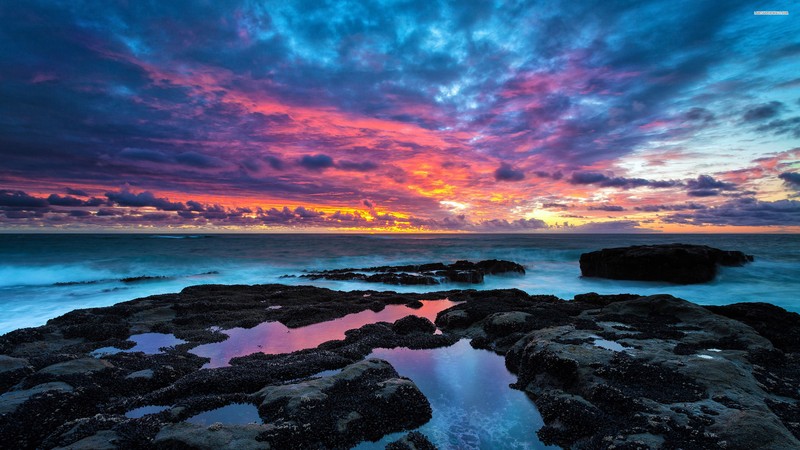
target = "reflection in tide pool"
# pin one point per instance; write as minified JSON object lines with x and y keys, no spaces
{"x":275,"y":337}
{"x":147,"y":343}
{"x":145,"y":410}
{"x":473,"y":407}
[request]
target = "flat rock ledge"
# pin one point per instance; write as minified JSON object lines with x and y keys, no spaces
{"x":606,"y":371}
{"x":422,"y":274}
{"x":674,"y":263}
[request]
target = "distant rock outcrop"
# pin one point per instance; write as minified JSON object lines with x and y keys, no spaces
{"x":674,"y":263}
{"x":422,"y":274}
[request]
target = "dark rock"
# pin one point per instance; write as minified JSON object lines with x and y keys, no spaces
{"x":618,"y":371}
{"x":644,"y":394}
{"x":414,"y":304}
{"x":139,"y":279}
{"x":365,"y":401}
{"x":674,"y":263}
{"x":781,"y":327}
{"x":412,"y":324}
{"x":412,"y":441}
{"x":422,"y":274}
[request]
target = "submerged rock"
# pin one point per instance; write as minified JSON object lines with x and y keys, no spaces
{"x":674,"y":263}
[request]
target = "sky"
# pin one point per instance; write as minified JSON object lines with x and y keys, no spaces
{"x":400,"y":116}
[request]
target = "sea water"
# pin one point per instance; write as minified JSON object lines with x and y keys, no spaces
{"x":44,"y":276}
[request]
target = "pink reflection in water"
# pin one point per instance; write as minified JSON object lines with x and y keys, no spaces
{"x":275,"y":337}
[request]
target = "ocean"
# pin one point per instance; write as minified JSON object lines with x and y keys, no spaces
{"x":45,"y":275}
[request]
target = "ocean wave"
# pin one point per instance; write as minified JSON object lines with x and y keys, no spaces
{"x":62,"y":275}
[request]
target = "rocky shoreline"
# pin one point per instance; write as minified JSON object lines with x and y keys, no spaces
{"x":605,"y":371}
{"x":684,"y":376}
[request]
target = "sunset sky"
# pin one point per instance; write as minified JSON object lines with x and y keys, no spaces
{"x":573,"y":116}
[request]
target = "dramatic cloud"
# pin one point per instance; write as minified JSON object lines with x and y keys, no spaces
{"x":127,"y":198}
{"x":762,"y":112}
{"x":791,"y":178}
{"x":610,"y":208}
{"x":707,"y":186}
{"x":602,"y":180}
{"x":364,"y":166}
{"x":446,"y":115}
{"x":744,"y":212}
{"x":675,"y":207}
{"x":507,"y":173}
{"x":316,"y":162}
{"x":77,"y":192}
{"x":19,"y":199}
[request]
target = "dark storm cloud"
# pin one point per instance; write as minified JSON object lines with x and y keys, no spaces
{"x":195,"y":159}
{"x":789,"y":126}
{"x":703,"y":193}
{"x":77,"y":192}
{"x":508,"y":173}
{"x":57,"y":200}
{"x":363,"y":166}
{"x":707,"y":186}
{"x":757,"y":113}
{"x":127,"y":198}
{"x":603,"y":180}
{"x":275,"y":162}
{"x":610,"y":208}
{"x":20,"y":199}
{"x":615,"y":226}
{"x":141,"y":154}
{"x":699,"y":115}
{"x":708,"y":182}
{"x":745,"y":211}
{"x":316,"y":162}
{"x":791,"y":178}
{"x":675,"y":207}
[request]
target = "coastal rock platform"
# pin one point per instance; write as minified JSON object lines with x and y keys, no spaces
{"x":605,"y":371}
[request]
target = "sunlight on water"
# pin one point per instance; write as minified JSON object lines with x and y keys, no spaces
{"x":275,"y":337}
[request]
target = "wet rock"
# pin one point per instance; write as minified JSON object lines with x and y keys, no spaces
{"x":619,"y":371}
{"x":624,"y":387}
{"x":365,"y":401}
{"x":674,"y":263}
{"x":186,"y":435}
{"x":411,"y":324}
{"x":145,"y":374}
{"x":12,"y":370}
{"x":77,"y":366}
{"x":412,"y":441}
{"x":414,"y":304}
{"x":422,"y":274}
{"x":12,"y":399}
{"x":102,"y":440}
{"x":781,"y":327}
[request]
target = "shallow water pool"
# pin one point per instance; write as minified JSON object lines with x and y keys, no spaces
{"x":473,"y":406}
{"x":276,"y":338}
